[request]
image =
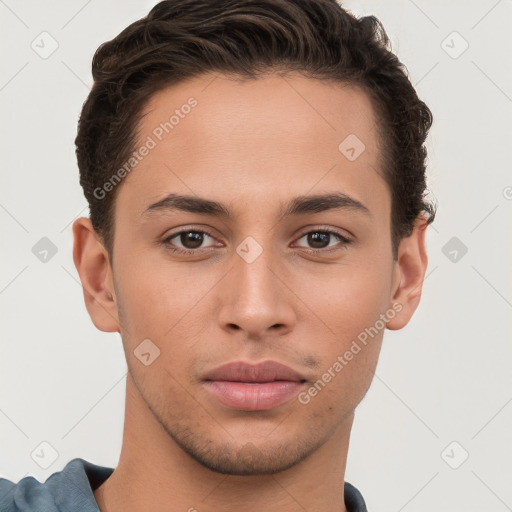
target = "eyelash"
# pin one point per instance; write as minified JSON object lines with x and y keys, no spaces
{"x":189,"y":252}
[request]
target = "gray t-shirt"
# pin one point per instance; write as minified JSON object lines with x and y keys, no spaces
{"x":71,"y":490}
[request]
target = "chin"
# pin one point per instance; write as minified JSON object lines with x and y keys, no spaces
{"x":243,"y":459}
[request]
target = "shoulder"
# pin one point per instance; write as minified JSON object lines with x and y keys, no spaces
{"x":64,"y":491}
{"x":354,"y":500}
{"x":27,"y":495}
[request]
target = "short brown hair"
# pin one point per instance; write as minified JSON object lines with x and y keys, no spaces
{"x":180,"y":39}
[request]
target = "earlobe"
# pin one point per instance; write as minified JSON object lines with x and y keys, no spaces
{"x":93,"y":266}
{"x":410,"y":273}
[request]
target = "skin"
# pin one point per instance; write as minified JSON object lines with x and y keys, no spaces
{"x":252,"y":146}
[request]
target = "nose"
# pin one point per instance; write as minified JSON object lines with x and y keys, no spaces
{"x":256,"y":298}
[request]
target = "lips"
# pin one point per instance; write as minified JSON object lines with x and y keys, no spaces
{"x":247,"y":387}
{"x":267,"y":371}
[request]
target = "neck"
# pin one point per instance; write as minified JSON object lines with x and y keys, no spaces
{"x":154,"y":473}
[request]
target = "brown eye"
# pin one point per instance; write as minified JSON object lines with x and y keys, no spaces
{"x":188,"y":241}
{"x":320,"y":240}
{"x":191,"y":239}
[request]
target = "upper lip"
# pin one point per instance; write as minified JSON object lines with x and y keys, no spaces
{"x":266,"y":371}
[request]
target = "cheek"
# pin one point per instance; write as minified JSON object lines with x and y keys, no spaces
{"x":345,"y":377}
{"x":348,"y":297}
{"x":167,"y":302}
{"x":161,"y":301}
{"x":349,"y":328}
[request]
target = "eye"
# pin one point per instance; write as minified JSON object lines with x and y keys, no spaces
{"x":191,"y":241}
{"x":321,"y":239}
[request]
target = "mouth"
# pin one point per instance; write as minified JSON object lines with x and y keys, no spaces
{"x":259,"y":387}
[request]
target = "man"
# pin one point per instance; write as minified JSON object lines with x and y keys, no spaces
{"x":255,"y":172}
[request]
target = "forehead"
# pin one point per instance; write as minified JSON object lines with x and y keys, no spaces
{"x":276,"y":136}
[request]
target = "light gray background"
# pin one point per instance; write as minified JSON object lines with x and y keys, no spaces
{"x":446,"y":377}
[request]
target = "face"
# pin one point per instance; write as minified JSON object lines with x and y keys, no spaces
{"x":258,"y":281}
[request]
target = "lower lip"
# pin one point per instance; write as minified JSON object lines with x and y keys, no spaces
{"x":253,"y":396}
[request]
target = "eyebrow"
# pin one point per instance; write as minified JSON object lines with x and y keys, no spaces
{"x":300,"y":205}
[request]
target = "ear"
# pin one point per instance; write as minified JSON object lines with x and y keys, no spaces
{"x":409,"y":273}
{"x":93,"y":265}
